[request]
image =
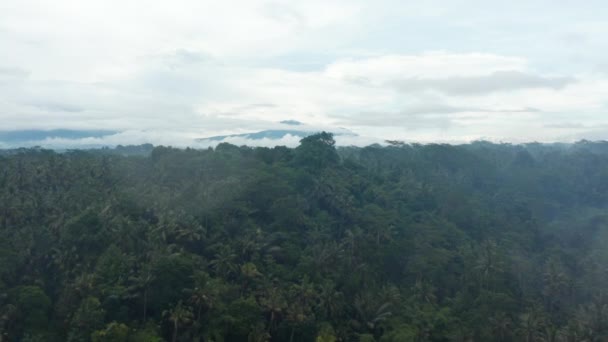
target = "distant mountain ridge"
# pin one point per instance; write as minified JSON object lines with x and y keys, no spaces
{"x":286,"y":132}
{"x":272,"y":134}
{"x":302,"y":131}
{"x":38,"y":134}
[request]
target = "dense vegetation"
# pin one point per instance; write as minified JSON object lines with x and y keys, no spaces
{"x":478,"y":242}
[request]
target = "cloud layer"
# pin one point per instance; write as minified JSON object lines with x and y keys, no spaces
{"x":390,"y":70}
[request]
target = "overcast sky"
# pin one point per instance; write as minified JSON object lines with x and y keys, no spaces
{"x":414,"y":70}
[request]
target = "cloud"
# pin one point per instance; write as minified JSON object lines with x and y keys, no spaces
{"x":393,"y":69}
{"x":573,"y":38}
{"x":452,"y":74}
{"x":409,"y":121}
{"x":600,"y":132}
{"x":130,"y":137}
{"x":57,"y":107}
{"x":12,"y":76}
{"x":283,"y":13}
{"x":379,"y":70}
{"x":496,"y":81}
{"x":566,"y":125}
{"x":184,"y":57}
{"x":196,"y":94}
{"x":424,"y":115}
{"x":13,"y":73}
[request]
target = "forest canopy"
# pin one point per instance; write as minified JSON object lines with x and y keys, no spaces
{"x":474,"y":242}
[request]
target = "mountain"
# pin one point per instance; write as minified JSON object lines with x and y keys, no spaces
{"x":280,"y":132}
{"x":24,"y":136}
{"x":286,"y":133}
{"x":266,"y":134}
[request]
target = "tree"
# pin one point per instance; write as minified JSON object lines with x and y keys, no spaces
{"x":206,"y":293}
{"x":171,"y":274}
{"x":371,"y":312}
{"x":179,"y":314}
{"x":141,"y":283}
{"x":489,"y":263}
{"x":487,"y":242}
{"x":326,"y":334}
{"x":30,"y":308}
{"x":88,"y":318}
{"x":501,"y":326}
{"x":593,"y":320}
{"x":274,"y":302}
{"x":112,"y":270}
{"x":225,"y":261}
{"x":555,"y":287}
{"x":114,"y":332}
{"x":531,"y":325}
{"x":302,"y":297}
{"x":316,"y":152}
{"x":330,"y":300}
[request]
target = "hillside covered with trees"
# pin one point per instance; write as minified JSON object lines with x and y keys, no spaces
{"x":476,"y":242}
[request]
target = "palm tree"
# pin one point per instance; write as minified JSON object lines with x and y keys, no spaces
{"x":488,"y":263}
{"x":274,"y":302}
{"x":324,"y":255}
{"x":258,"y":334}
{"x":501,"y":326}
{"x":140,"y":283}
{"x":191,"y":232}
{"x":571,"y":332}
{"x":551,"y":333}
{"x":251,"y":244}
{"x":179,"y":314}
{"x":198,"y":297}
{"x":555,"y":285}
{"x":84,"y":284}
{"x":296,"y":314}
{"x":350,"y":240}
{"x":329,"y":299}
{"x":384,"y":232}
{"x":301,"y":300}
{"x":370,"y":311}
{"x":205,"y":292}
{"x":9,"y":314}
{"x":424,"y":292}
{"x":249,"y":270}
{"x":531,"y":324}
{"x":593,"y":320}
{"x":224,"y":262}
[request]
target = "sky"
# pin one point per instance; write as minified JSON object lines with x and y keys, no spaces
{"x":427,"y":71}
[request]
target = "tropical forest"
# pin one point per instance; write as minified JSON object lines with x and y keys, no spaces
{"x":389,"y":243}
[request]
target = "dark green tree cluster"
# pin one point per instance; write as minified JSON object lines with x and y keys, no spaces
{"x":476,"y":242}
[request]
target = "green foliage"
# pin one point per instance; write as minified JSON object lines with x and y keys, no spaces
{"x":88,"y":317}
{"x":148,"y":334}
{"x":326,"y":334}
{"x":170,"y":272}
{"x":477,"y":242}
{"x":366,"y":338}
{"x":32,"y":306}
{"x":114,"y":332}
{"x":316,"y":152}
{"x":401,"y":333}
{"x":112,"y":270}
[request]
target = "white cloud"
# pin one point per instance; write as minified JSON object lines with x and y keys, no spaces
{"x":432,"y":65}
{"x":494,"y":82}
